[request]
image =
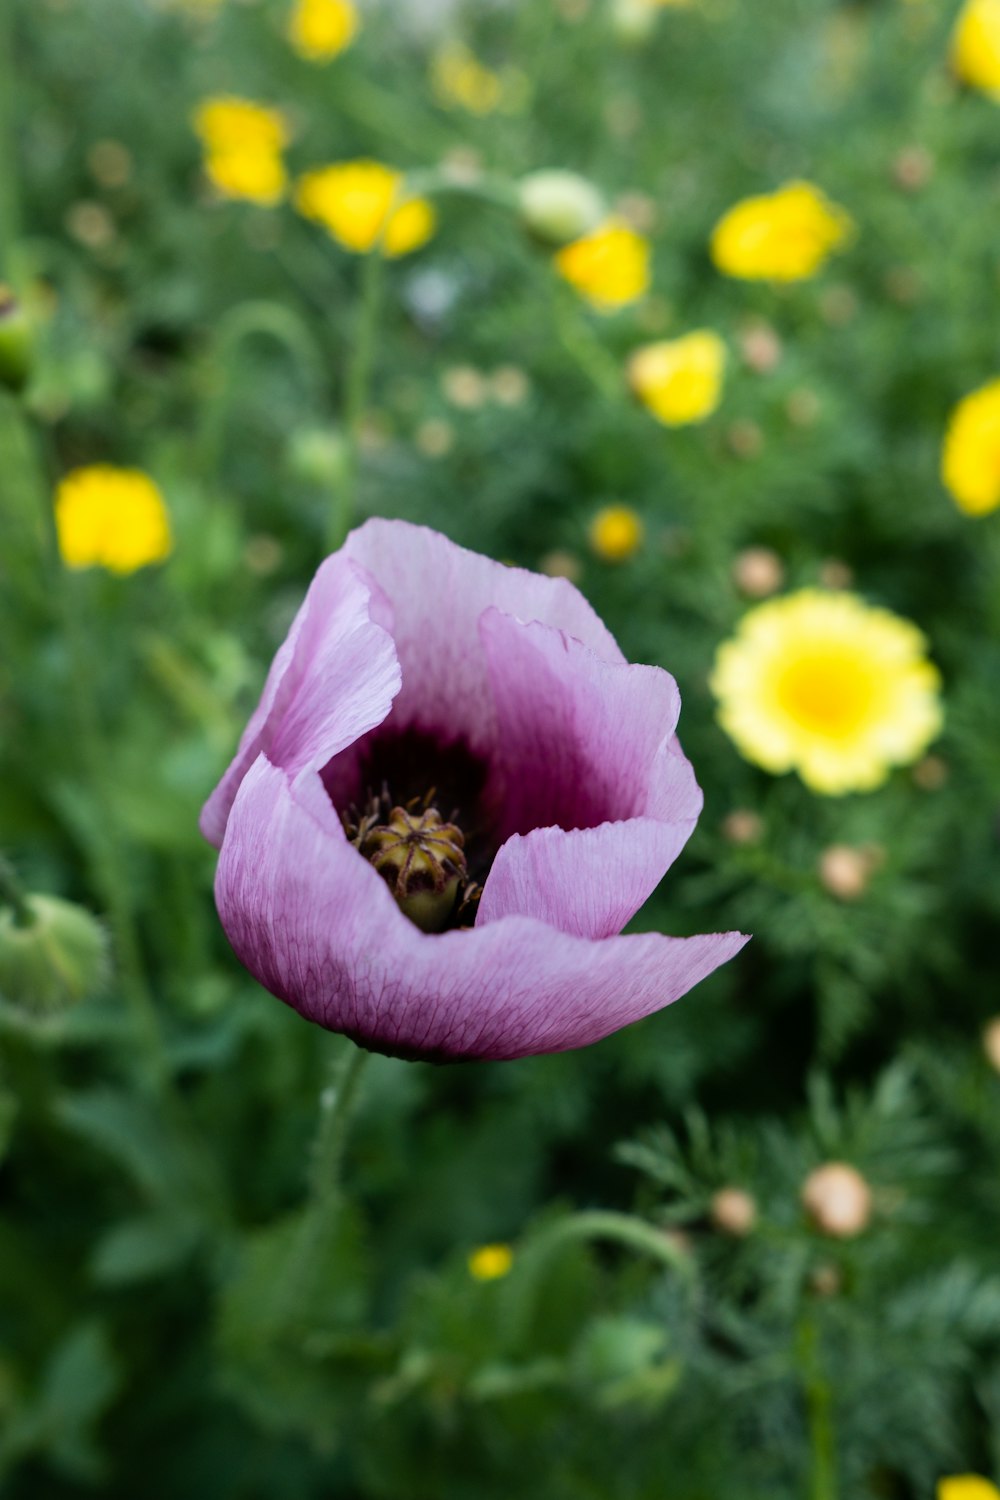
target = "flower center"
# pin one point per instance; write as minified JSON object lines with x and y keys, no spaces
{"x":420,"y":857}
{"x":831,"y":694}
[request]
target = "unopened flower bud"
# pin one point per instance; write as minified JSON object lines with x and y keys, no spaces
{"x":743,"y":826}
{"x":52,"y":954}
{"x":733,"y":1211}
{"x":760,"y":347}
{"x":931,"y":773}
{"x":826,"y":1280}
{"x":845,"y":870}
{"x":633,"y":20}
{"x":834,"y":574}
{"x":991,"y":1042}
{"x":17,"y":343}
{"x":490,"y":1262}
{"x":317,"y":456}
{"x":838,"y":1200}
{"x":616,"y":533}
{"x":758,"y":571}
{"x":559,"y":206}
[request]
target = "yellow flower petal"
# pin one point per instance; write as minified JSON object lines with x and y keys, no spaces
{"x":828,"y":686}
{"x":970,"y":459}
{"x":354,"y":201}
{"x":967,"y":1487}
{"x":111,"y":518}
{"x":321,"y":29}
{"x":680,"y":380}
{"x":781,"y":236}
{"x":975,"y":46}
{"x":610,"y":266}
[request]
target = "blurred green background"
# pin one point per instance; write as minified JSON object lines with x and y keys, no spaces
{"x":156,"y":1137}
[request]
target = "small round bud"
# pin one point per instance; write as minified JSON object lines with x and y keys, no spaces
{"x":838,"y":1200}
{"x":509,"y":385}
{"x":760,"y":347}
{"x":561,"y":564}
{"x":465,"y":387}
{"x":845,"y":869}
{"x":17,"y":343}
{"x":991,"y":1042}
{"x":52,"y":955}
{"x":110,"y":163}
{"x":616,"y":533}
{"x":733,"y":1211}
{"x":742,"y":826}
{"x":744,"y":439}
{"x":758,"y":572}
{"x":913,"y":168}
{"x":931,"y":773}
{"x":834,"y":574}
{"x":559,"y":206}
{"x":490,"y":1262}
{"x":317,"y":456}
{"x":826,"y":1280}
{"x":90,"y":224}
{"x":633,"y":20}
{"x":435,"y":438}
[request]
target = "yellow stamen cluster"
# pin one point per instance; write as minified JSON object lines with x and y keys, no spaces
{"x":363,"y":206}
{"x":781,"y":236}
{"x":111,"y":518}
{"x":243,"y":143}
{"x":826,"y":685}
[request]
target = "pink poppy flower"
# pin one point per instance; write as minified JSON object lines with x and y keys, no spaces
{"x":452,"y":796}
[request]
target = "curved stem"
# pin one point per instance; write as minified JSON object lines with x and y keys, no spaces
{"x":622,"y":1229}
{"x":9,"y":205}
{"x":819,"y":1413}
{"x":359,"y":373}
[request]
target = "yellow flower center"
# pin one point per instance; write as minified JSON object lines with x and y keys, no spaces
{"x":830,"y":692}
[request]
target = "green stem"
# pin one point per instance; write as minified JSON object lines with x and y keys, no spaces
{"x":819,"y":1414}
{"x":622,"y":1229}
{"x":356,"y":399}
{"x":584,"y":348}
{"x":13,"y":893}
{"x":9,"y":207}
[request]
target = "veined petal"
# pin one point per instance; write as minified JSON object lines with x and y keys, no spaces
{"x":333,"y":679}
{"x":315,"y":923}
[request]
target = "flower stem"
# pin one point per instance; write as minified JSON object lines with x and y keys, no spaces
{"x":13,"y":893}
{"x":9,"y":207}
{"x":604,"y":1224}
{"x":819,"y":1413}
{"x":358,"y":381}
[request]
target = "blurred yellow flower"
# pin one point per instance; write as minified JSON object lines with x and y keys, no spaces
{"x":680,"y":380}
{"x":831,"y":687}
{"x":966,"y":1487}
{"x":111,"y":518}
{"x":975,"y":46}
{"x":609,"y":266}
{"x":490,"y":1262}
{"x":356,"y":202}
{"x":615,"y":533}
{"x":970,"y":460}
{"x":459,"y":78}
{"x":782,"y":236}
{"x":320,"y":29}
{"x":243,"y":143}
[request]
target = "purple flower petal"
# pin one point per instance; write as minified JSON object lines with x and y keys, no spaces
{"x":315,"y":923}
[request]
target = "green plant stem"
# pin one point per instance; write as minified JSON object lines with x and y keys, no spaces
{"x":359,"y":373}
{"x":585,"y":349}
{"x":622,"y":1229}
{"x":13,"y":893}
{"x":9,"y":206}
{"x":819,"y":1414}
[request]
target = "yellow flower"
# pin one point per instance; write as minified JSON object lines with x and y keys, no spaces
{"x":975,"y":46}
{"x":243,"y":144}
{"x":967,"y":1487}
{"x":829,"y":686}
{"x":781,"y":236}
{"x":320,"y":29}
{"x":680,"y":380}
{"x":490,"y":1262}
{"x":356,"y":202}
{"x":615,"y":533}
{"x":111,"y":518}
{"x":970,"y":460}
{"x":461,"y":79}
{"x":609,"y":266}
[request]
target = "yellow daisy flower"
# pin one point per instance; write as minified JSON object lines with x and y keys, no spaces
{"x":321,"y":29}
{"x":966,"y":1487}
{"x":828,"y":686}
{"x":356,"y":202}
{"x":490,"y":1262}
{"x":609,"y":266}
{"x":781,"y":236}
{"x":970,"y":459}
{"x":680,"y":380}
{"x":243,"y":143}
{"x":616,"y":533}
{"x":460,"y":79}
{"x":111,"y":518}
{"x":975,"y":46}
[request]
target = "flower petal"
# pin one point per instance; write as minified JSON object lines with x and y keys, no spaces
{"x":591,"y":775}
{"x":333,"y":679}
{"x":315,"y":923}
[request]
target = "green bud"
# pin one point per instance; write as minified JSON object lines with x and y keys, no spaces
{"x":318,"y":456}
{"x":559,"y":206}
{"x":52,"y":954}
{"x":17,"y":343}
{"x":633,"y":20}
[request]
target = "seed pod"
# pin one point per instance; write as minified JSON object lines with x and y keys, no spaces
{"x":53,"y":958}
